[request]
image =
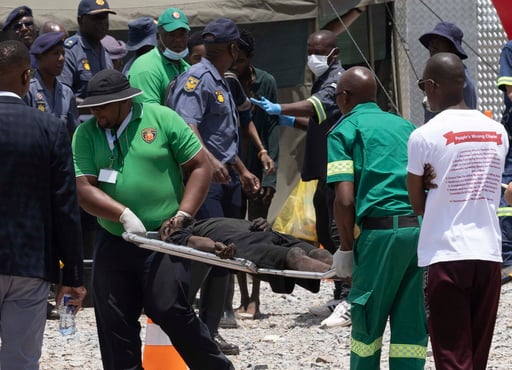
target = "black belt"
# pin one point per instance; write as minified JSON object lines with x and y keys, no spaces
{"x":381,"y":223}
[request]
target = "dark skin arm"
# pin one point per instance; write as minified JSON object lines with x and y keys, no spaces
{"x":417,"y":195}
{"x":344,"y":213}
{"x":208,"y":245}
{"x":260,"y":224}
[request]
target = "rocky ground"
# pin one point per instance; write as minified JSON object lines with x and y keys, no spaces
{"x":288,"y":337}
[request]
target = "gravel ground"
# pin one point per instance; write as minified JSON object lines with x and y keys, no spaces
{"x":287,"y":337}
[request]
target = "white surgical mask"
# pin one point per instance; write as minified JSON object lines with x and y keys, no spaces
{"x":318,"y":63}
{"x":172,"y":55}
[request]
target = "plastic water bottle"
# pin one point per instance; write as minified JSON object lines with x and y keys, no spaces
{"x":67,"y":317}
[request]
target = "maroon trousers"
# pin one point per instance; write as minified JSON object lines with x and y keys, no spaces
{"x":462,"y":302}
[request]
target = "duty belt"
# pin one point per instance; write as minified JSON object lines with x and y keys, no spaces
{"x":387,"y":222}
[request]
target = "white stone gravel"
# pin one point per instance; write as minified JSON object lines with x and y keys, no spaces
{"x":288,"y":337}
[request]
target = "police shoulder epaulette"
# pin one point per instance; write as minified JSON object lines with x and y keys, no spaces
{"x":71,"y":41}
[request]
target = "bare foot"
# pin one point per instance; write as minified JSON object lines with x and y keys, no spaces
{"x":249,"y":311}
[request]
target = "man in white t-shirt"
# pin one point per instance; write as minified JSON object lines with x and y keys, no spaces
{"x":460,"y":238}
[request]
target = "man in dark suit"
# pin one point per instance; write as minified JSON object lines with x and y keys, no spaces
{"x":39,"y":215}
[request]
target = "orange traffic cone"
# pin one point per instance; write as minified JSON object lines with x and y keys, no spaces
{"x":159,"y":353}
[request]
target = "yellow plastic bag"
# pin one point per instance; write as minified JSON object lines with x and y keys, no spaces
{"x":297,"y":216}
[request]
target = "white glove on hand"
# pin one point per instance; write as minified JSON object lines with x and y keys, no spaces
{"x":131,"y":223}
{"x":342,"y":261}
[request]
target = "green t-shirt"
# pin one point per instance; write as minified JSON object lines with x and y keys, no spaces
{"x":148,"y":159}
{"x":369,"y":148}
{"x":152,"y":73}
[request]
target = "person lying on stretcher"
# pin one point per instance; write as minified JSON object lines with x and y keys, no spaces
{"x":254,"y":241}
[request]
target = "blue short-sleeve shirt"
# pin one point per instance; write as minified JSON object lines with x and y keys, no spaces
{"x":61,"y":103}
{"x":202,"y":98}
{"x":82,"y":62}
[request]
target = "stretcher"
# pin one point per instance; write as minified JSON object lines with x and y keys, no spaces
{"x":151,"y":240}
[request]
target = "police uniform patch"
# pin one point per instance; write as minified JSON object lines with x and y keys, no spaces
{"x":149,"y":135}
{"x":191,"y":84}
{"x":70,"y":42}
{"x":86,"y":64}
{"x":220,"y":97}
{"x":41,"y":106}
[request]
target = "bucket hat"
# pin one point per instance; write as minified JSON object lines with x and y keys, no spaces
{"x":449,"y":31}
{"x":108,"y":86}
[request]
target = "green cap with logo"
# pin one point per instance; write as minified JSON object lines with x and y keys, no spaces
{"x":172,"y":19}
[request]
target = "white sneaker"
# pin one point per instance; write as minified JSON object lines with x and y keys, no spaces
{"x":326,"y":309}
{"x":339,"y":317}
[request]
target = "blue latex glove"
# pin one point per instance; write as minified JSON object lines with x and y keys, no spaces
{"x":267,"y":106}
{"x":286,"y":121}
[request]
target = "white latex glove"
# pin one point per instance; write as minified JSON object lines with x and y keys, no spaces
{"x":343,"y":263}
{"x":131,"y":223}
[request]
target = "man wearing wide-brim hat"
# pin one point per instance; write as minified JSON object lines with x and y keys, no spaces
{"x":129,"y":159}
{"x":141,"y":39}
{"x":447,"y":37}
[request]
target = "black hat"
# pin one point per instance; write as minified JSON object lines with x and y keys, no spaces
{"x":449,"y":31}
{"x":108,"y":86}
{"x":141,"y":31}
{"x":17,"y":13}
{"x":87,"y":7}
{"x":46,"y":41}
{"x":220,"y":30}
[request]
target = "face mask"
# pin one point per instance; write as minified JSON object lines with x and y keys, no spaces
{"x":172,"y":55}
{"x":318,"y":63}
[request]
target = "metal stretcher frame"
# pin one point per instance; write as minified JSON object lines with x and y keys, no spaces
{"x":151,"y":241}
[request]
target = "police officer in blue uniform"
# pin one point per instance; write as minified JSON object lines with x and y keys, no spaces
{"x":85,"y":56}
{"x":202,"y":98}
{"x":46,"y":93}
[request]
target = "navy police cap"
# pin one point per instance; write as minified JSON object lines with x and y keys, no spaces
{"x":87,"y":7}
{"x":17,"y":13}
{"x":220,"y":30}
{"x":46,"y":41}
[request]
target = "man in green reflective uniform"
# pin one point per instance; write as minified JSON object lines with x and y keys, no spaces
{"x":367,"y":160}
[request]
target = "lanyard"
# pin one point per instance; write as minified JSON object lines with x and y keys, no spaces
{"x":113,"y":137}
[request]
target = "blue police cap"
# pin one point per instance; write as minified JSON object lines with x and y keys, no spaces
{"x":220,"y":30}
{"x":141,"y":31}
{"x":46,"y":41}
{"x":17,"y":13}
{"x":87,"y":7}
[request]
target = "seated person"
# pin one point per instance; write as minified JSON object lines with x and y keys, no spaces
{"x":255,"y":241}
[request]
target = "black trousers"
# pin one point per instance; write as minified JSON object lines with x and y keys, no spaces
{"x":127,"y":279}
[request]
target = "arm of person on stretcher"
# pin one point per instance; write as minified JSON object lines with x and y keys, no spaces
{"x":208,"y":245}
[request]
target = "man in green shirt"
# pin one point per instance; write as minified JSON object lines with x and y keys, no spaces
{"x":129,"y":161}
{"x":367,"y":160}
{"x":153,"y":71}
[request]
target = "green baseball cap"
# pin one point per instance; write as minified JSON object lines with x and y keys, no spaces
{"x":172,"y":19}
